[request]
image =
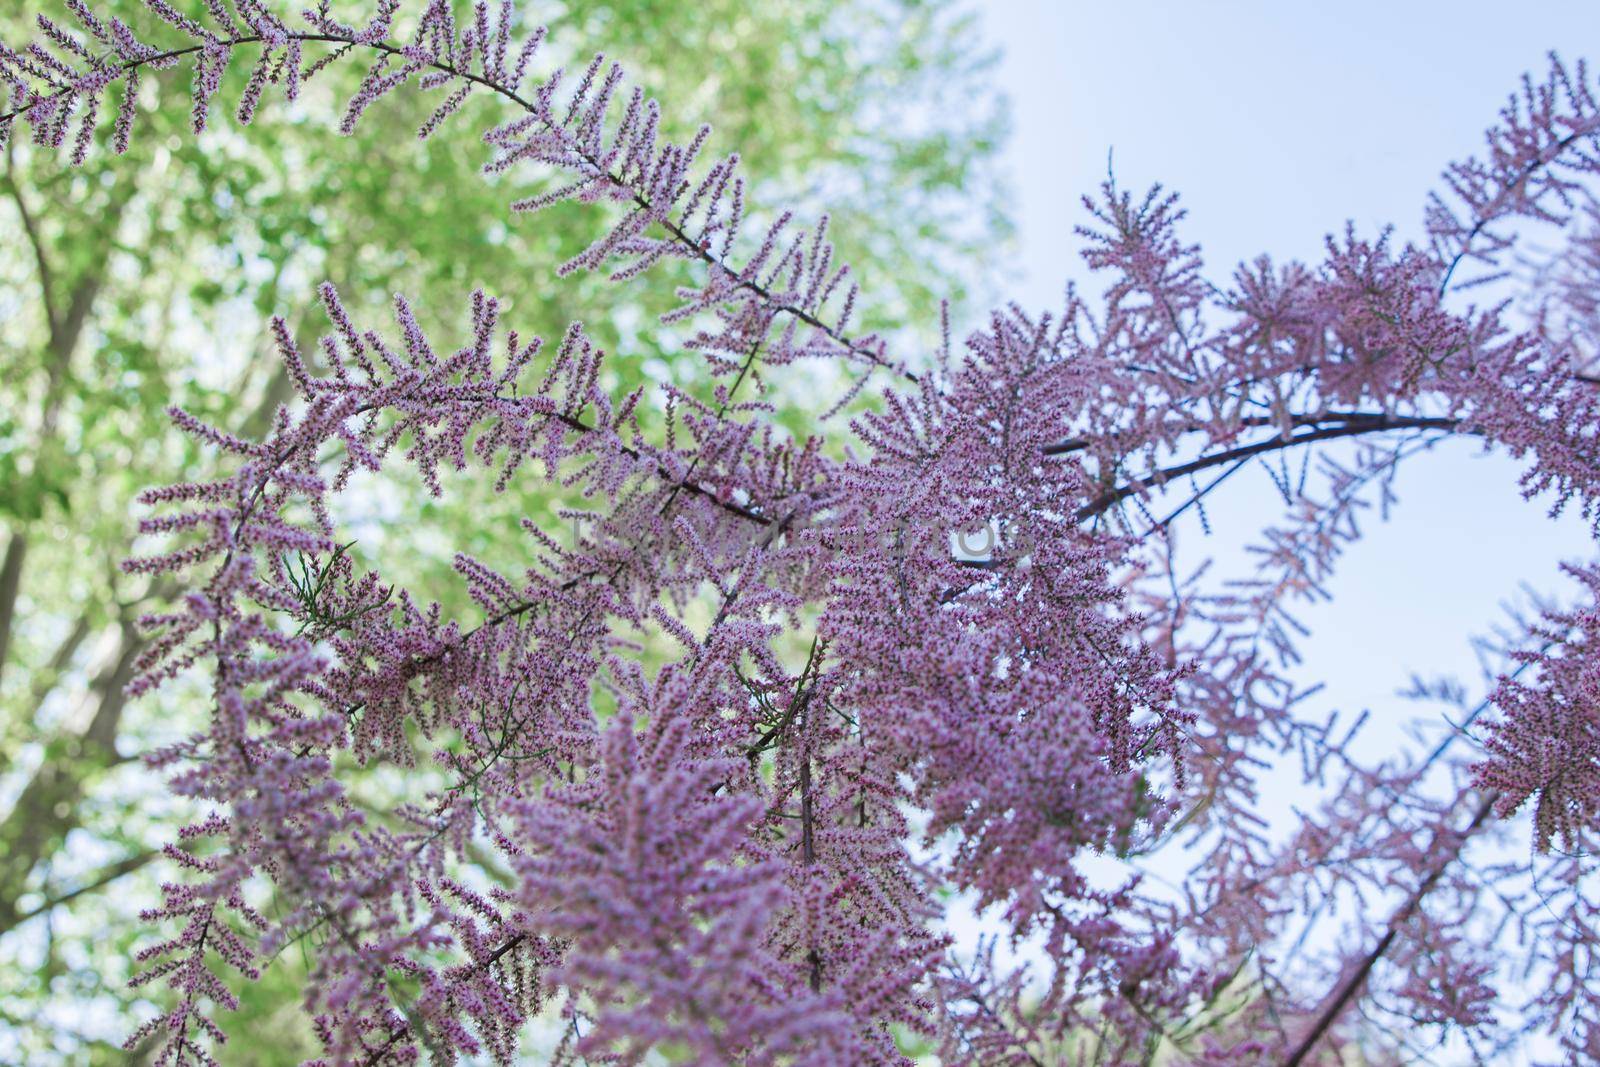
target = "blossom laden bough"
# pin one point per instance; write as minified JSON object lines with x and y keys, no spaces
{"x":743,"y":855}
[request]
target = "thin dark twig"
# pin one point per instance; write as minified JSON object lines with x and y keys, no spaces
{"x":1353,"y":982}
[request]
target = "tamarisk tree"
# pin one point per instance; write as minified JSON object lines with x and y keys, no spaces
{"x":740,"y":850}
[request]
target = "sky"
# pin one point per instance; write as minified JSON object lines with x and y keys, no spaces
{"x":1277,"y":122}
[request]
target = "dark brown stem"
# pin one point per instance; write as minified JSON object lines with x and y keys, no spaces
{"x":30,"y":229}
{"x":1493,"y":207}
{"x":1376,"y":424}
{"x":489,"y":961}
{"x":49,"y":805}
{"x":10,"y":587}
{"x":808,"y":854}
{"x":1351,"y":986}
{"x":105,"y":877}
{"x":1078,"y":444}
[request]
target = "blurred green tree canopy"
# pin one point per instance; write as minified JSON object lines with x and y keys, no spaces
{"x":141,"y":281}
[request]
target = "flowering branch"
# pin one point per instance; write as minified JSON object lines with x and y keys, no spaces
{"x":708,"y":850}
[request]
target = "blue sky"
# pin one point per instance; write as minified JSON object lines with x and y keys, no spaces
{"x":1277,"y":122}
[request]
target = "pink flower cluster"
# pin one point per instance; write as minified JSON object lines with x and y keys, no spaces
{"x":744,"y":855}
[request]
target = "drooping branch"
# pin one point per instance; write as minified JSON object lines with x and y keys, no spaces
{"x":872,"y":353}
